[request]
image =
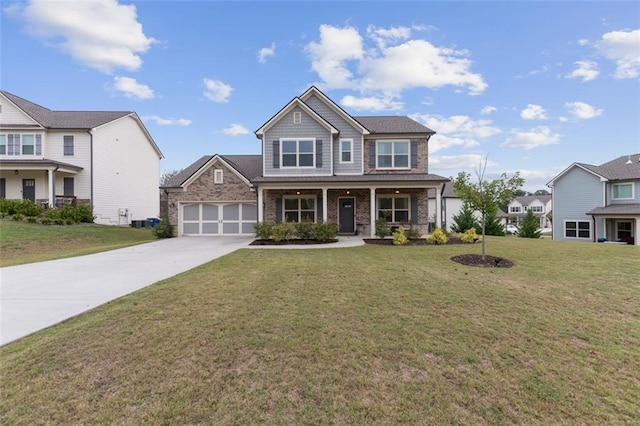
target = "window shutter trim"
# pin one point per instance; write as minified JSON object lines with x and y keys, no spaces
{"x":38,"y":144}
{"x":276,"y":154}
{"x":318,"y":153}
{"x":414,"y":154}
{"x":372,"y":155}
{"x":278,"y":210}
{"x":414,"y":209}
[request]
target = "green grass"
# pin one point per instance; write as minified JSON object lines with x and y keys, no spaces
{"x":22,"y":242}
{"x":368,"y":335}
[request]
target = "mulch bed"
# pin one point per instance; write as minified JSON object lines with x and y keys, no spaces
{"x":295,"y":241}
{"x":417,"y":242}
{"x":487,"y":262}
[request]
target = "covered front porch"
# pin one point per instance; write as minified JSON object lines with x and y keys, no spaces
{"x":353,"y":206}
{"x":617,"y":223}
{"x":45,"y":182}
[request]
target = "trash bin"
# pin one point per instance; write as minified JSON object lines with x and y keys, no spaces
{"x":152,"y":221}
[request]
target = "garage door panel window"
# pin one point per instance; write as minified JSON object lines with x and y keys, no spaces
{"x":231,"y":212}
{"x":210,"y":228}
{"x":218,"y":219}
{"x":209,"y":212}
{"x":192,"y":212}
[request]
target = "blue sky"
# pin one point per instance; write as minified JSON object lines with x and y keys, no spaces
{"x":532,"y":86}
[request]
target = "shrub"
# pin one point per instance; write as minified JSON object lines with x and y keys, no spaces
{"x":162,"y":230}
{"x":69,"y":215}
{"x":45,"y":221}
{"x":437,"y":237}
{"x":23,"y":207}
{"x":469,"y":236}
{"x":530,"y":225}
{"x":32,"y":219}
{"x":18,"y":217}
{"x":382,"y":229}
{"x":412,"y":233}
{"x":305,"y":230}
{"x":399,"y":238}
{"x":465,"y":219}
{"x":325,"y":232}
{"x":264,"y":230}
{"x":282,"y":232}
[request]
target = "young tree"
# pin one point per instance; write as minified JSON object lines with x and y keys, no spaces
{"x":485,"y":196}
{"x":530,"y":226}
{"x":493,"y":225}
{"x":465,"y":220}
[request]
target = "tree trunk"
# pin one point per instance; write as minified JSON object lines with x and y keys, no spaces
{"x":483,"y":237}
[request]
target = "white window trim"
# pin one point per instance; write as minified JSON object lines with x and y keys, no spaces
{"x":633,"y":191}
{"x":298,"y":197}
{"x":218,"y":176}
{"x":393,"y":159}
{"x":512,"y":209}
{"x":393,"y":209}
{"x":577,"y":237}
{"x":350,"y":151}
{"x":21,"y":145}
{"x":297,"y":141}
{"x":541,"y":209}
{"x":297,"y":117}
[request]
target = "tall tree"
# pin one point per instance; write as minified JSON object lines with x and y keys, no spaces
{"x":542,"y":192}
{"x":465,"y":219}
{"x":485,"y":196}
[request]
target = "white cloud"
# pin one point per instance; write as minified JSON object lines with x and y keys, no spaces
{"x":167,"y":121}
{"x":371,"y":103}
{"x":100,"y":34}
{"x":533,"y":112}
{"x":486,"y":110}
{"x":392,"y":64}
{"x":586,"y":70}
{"x":583,"y":111}
{"x":583,"y":42}
{"x":622,"y":47}
{"x":457,"y":130}
{"x":235,"y":130}
{"x":130,"y":88}
{"x":265,"y":52}
{"x":458,"y":162}
{"x":216,"y":90}
{"x":532,"y":138}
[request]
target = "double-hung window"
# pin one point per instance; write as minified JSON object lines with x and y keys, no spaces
{"x":20,"y":144}
{"x":346,"y":150}
{"x":623,"y":191}
{"x":3,"y":144}
{"x":298,"y":209}
{"x":577,"y":229}
{"x":298,"y":152}
{"x":514,"y":209}
{"x":394,"y":209}
{"x":67,"y":145}
{"x":536,"y":209}
{"x":392,"y":154}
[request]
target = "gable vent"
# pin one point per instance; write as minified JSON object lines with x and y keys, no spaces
{"x":297,"y":117}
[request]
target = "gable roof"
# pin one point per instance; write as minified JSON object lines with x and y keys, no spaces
{"x":625,"y":167}
{"x":249,"y":166}
{"x":299,"y":103}
{"x":525,"y":200}
{"x":313,"y":90}
{"x":393,"y":124}
{"x":64,"y":119}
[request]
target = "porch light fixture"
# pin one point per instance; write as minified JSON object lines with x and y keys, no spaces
{"x":15,"y":172}
{"x":348,"y":192}
{"x":397,"y":191}
{"x":298,"y":192}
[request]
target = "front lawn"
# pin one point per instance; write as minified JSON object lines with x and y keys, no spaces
{"x":22,"y":242}
{"x":366,"y":335}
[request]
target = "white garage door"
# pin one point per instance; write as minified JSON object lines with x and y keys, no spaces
{"x":219,"y":219}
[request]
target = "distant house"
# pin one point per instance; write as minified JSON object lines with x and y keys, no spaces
{"x":318,"y":163}
{"x":451,"y":204}
{"x":540,"y":205}
{"x":598,"y":203}
{"x":105,"y":159}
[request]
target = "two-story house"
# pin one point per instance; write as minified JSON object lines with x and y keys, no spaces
{"x":318,"y":163}
{"x":540,"y":205}
{"x":105,"y":159}
{"x":598,"y":203}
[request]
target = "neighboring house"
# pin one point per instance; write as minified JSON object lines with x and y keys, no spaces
{"x":597,"y":203}
{"x":318,"y":163}
{"x":105,"y":159}
{"x":450,"y":205}
{"x":540,"y":205}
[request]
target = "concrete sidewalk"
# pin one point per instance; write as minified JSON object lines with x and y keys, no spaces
{"x":37,"y":295}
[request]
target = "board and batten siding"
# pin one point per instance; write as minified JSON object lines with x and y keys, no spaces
{"x":347,"y":131}
{"x":308,"y":128}
{"x":126,"y":173}
{"x":54,"y":150}
{"x":574,"y":194}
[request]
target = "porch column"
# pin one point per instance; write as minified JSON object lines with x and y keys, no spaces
{"x":52,"y":193}
{"x":325,"y":214}
{"x":372,"y":211}
{"x":260,"y":201}
{"x":636,"y":239}
{"x":438,"y":207}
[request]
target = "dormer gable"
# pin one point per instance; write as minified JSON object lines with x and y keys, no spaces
{"x":314,"y":91}
{"x":295,"y":103}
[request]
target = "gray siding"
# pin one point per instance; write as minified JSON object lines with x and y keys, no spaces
{"x":636,"y":193}
{"x":574,"y":194}
{"x":308,"y":128}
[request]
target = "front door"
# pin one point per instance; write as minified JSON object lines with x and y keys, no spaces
{"x":29,"y":189}
{"x":346,"y":215}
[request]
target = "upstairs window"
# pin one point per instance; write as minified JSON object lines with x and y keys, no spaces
{"x":392,"y":155}
{"x":3,"y":144}
{"x":536,"y":209}
{"x":623,"y":191}
{"x":346,"y":148}
{"x":20,"y":144}
{"x":28,"y":145}
{"x":68,"y":146}
{"x":298,"y":153}
{"x":514,"y":209}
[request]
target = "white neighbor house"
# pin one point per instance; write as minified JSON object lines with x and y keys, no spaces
{"x":106,"y":159}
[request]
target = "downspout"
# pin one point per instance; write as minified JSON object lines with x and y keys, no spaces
{"x":91,"y":171}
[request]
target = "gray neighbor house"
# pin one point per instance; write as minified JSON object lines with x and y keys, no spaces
{"x":598,"y":203}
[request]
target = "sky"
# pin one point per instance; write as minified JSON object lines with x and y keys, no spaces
{"x":523,"y":86}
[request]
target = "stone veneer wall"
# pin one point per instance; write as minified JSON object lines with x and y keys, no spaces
{"x":204,"y":190}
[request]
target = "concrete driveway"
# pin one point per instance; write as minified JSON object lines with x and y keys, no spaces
{"x":38,"y":295}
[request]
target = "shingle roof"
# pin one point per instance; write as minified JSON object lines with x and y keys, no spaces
{"x":249,"y":166}
{"x":525,"y":200}
{"x":617,"y":209}
{"x":64,"y":119}
{"x":392,"y":124}
{"x":625,"y":167}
